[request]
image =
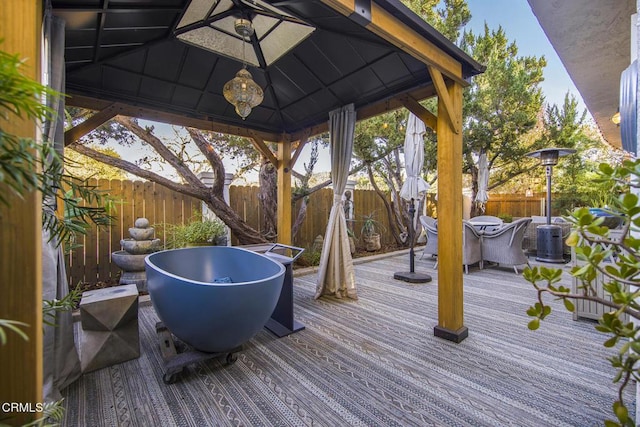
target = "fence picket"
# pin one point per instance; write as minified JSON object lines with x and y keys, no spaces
{"x":161,"y":205}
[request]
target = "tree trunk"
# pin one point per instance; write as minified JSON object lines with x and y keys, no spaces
{"x":268,"y":197}
{"x":240,"y":229}
{"x":475,"y":209}
{"x":302,"y":214}
{"x":390,"y":213}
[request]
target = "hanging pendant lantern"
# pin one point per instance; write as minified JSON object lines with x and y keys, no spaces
{"x":241,"y":91}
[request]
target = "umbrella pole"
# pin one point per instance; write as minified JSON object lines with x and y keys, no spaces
{"x":412,"y":232}
{"x":411,"y":276}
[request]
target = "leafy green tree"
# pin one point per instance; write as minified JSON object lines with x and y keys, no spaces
{"x":447,"y":16}
{"x":575,"y":177}
{"x":85,"y":167}
{"x":500,"y":107}
{"x":377,"y":144}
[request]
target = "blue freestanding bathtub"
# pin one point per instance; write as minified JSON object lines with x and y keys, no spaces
{"x":213,"y":298}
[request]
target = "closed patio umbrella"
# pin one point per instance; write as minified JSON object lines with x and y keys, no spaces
{"x":414,"y":187}
{"x":483,"y":181}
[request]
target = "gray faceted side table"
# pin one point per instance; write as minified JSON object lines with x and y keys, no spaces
{"x":109,"y":334}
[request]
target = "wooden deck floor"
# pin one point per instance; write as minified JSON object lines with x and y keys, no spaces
{"x":374,"y":362}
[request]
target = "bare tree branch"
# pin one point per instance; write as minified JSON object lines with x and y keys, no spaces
{"x":198,"y":192}
{"x":148,"y":137}
{"x":214,"y":159}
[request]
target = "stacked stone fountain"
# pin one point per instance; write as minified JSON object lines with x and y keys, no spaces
{"x":135,"y":249}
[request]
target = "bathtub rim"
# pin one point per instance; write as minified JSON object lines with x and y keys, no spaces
{"x":149,"y":263}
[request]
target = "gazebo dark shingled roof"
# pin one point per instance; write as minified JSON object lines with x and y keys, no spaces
{"x":125,"y":51}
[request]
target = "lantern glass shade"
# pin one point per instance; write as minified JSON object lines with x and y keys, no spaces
{"x":243,"y":93}
{"x":209,"y":24}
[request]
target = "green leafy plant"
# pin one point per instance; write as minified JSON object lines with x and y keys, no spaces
{"x":370,"y":225}
{"x":194,"y":233}
{"x":505,"y":217}
{"x":310,"y":257}
{"x":68,"y":303}
{"x":19,"y":96}
{"x":350,"y":233}
{"x":14,"y":326}
{"x":596,"y":248}
{"x":26,"y":166}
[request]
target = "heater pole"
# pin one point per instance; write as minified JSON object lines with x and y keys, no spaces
{"x":549,"y":171}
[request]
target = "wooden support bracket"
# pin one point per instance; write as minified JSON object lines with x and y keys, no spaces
{"x":260,"y":145}
{"x":443,"y":94}
{"x":422,"y":113}
{"x":303,"y":141}
{"x":90,"y":124}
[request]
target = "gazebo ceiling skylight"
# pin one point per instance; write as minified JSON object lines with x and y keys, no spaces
{"x":209,"y":24}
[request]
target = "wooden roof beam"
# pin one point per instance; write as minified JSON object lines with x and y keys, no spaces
{"x":397,"y":33}
{"x":301,"y":143}
{"x":170,"y":118}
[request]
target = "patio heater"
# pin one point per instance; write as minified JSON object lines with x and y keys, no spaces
{"x":549,"y":236}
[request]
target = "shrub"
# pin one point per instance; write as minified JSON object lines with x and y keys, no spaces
{"x":506,"y":217}
{"x":194,"y":233}
{"x":309,"y":258}
{"x":620,"y":278}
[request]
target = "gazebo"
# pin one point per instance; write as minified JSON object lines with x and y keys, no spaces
{"x":157,"y":61}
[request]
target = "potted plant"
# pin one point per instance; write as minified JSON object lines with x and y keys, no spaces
{"x":196,"y":233}
{"x":369,"y":233}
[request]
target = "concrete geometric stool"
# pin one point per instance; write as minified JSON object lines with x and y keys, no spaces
{"x":109,"y":334}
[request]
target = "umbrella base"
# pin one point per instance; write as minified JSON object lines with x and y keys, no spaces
{"x":412,"y":277}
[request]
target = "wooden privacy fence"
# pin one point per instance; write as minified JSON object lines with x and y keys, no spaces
{"x":516,"y":205}
{"x":134,"y":199}
{"x":91,"y":262}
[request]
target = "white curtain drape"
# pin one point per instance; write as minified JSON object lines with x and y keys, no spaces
{"x":61,"y":363}
{"x":335,"y":273}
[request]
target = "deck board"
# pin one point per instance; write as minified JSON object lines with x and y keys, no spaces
{"x":375,"y":361}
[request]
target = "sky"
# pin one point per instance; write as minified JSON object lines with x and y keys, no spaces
{"x":520,"y":25}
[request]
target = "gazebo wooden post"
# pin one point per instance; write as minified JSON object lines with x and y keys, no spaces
{"x":21,"y":236}
{"x":284,"y":191}
{"x":450,"y":290}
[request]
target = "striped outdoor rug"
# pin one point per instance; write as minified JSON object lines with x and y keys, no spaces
{"x":374,"y":362}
